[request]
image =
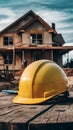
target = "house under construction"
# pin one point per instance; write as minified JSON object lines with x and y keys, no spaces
{"x":28,"y":39}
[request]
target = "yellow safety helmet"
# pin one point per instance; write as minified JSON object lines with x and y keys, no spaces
{"x":40,"y":81}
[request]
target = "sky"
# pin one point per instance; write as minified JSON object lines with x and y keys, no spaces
{"x":59,"y":12}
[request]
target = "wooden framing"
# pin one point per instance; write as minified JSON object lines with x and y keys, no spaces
{"x":22,"y":49}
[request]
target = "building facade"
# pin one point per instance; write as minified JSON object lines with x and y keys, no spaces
{"x":29,"y":39}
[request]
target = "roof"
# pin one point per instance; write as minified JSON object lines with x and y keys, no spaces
{"x":18,"y":20}
{"x":58,"y":39}
{"x":38,"y":18}
{"x":35,"y":17}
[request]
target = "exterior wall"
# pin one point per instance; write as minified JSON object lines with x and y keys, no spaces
{"x":33,"y":55}
{"x":20,"y":57}
{"x":47,"y":55}
{"x":38,"y":29}
{"x":1,"y":62}
{"x":1,"y":41}
{"x":18,"y":64}
{"x":17,"y":39}
{"x":47,"y":38}
{"x":29,"y":57}
{"x":26,"y":38}
{"x":35,"y":26}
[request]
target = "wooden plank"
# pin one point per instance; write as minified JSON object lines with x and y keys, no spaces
{"x":35,"y":117}
{"x":17,"y":116}
{"x":57,"y":118}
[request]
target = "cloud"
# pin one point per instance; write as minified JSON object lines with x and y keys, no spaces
{"x":52,"y":11}
{"x":6,"y":17}
{"x":6,"y":11}
{"x":60,"y":5}
{"x":3,"y":17}
{"x":60,"y":12}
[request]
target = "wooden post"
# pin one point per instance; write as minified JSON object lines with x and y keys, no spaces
{"x":22,"y":58}
{"x":51,"y":54}
{"x":13,"y":59}
{"x":68,"y":59}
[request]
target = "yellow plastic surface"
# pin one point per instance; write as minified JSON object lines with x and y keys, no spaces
{"x":40,"y":81}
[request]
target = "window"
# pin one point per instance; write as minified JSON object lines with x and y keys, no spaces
{"x":8,"y":40}
{"x":8,"y":58}
{"x":36,"y":38}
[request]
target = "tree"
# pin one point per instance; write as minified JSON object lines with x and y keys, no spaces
{"x":69,"y":64}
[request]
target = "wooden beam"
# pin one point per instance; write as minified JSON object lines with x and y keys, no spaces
{"x":51,"y":54}
{"x":13,"y":66}
{"x":23,"y":59}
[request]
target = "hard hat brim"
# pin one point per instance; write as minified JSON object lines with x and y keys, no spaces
{"x":21,"y":100}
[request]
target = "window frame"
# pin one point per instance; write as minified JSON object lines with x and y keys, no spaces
{"x":8,"y":58}
{"x":36,"y":40}
{"x":8,"y":40}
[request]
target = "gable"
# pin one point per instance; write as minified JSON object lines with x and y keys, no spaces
{"x":37,"y":22}
{"x":19,"y":23}
{"x":25,"y":21}
{"x":36,"y":25}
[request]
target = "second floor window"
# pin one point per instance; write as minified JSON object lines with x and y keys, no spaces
{"x":8,"y":40}
{"x":36,"y":39}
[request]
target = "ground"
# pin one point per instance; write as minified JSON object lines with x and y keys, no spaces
{"x":11,"y":85}
{"x":70,"y":82}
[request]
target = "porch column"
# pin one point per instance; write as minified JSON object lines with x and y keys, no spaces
{"x":13,"y":59}
{"x":23,"y":58}
{"x":51,"y":54}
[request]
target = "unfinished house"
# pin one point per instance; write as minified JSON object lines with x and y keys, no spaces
{"x":29,"y":39}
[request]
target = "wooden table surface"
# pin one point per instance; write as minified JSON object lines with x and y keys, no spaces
{"x":56,"y":114}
